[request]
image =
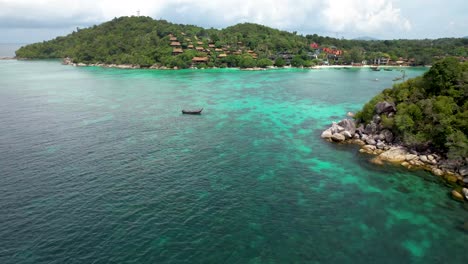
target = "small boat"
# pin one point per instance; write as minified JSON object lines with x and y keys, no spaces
{"x":192,"y":112}
{"x":375,"y":68}
{"x":387,"y":69}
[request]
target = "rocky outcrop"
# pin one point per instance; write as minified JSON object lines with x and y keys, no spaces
{"x":340,"y":132}
{"x":348,"y":125}
{"x":69,"y":61}
{"x":385,"y":108}
{"x":464,"y":171}
{"x":465,"y":193}
{"x":457,"y":196}
{"x":375,"y":139}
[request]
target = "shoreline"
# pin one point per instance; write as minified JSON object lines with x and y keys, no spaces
{"x":68,"y":61}
{"x":381,"y":145}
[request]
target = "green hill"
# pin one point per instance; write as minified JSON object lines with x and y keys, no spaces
{"x":431,"y":111}
{"x":145,"y":42}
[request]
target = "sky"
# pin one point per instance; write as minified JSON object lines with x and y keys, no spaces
{"x":27,"y":21}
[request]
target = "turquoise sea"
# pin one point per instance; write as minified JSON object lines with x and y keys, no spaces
{"x":99,"y":166}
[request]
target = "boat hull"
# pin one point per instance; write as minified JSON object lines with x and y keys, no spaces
{"x":192,"y":112}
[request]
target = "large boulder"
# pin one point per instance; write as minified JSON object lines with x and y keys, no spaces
{"x":335,"y":128}
{"x":450,"y":165}
{"x":463,"y":171}
{"x":360,"y":130}
{"x":347,"y":134}
{"x":436,"y":171}
{"x":411,"y":157}
{"x":371,"y":128}
{"x":384,"y":108}
{"x":370,"y":141}
{"x":327,"y":134}
{"x":395,"y":154}
{"x":348,"y":125}
{"x":457,"y":196}
{"x":338,"y":137}
{"x":387,"y":135}
{"x":376,"y":119}
{"x":380,"y":145}
{"x":368,"y":149}
{"x":465,"y":192}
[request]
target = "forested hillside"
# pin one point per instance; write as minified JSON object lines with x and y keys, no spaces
{"x":431,"y":111}
{"x":145,"y":42}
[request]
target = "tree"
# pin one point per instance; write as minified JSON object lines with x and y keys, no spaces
{"x":280,"y":62}
{"x":247,"y":62}
{"x":297,"y":61}
{"x":442,"y":76}
{"x":263,"y":63}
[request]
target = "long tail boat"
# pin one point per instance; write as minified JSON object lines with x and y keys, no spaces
{"x":192,"y":112}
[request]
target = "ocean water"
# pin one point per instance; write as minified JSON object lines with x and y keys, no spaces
{"x":99,"y":166}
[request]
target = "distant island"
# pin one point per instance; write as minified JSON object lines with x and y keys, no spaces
{"x":421,"y":123}
{"x":142,"y":42}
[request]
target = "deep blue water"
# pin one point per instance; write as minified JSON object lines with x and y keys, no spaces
{"x":99,"y":166}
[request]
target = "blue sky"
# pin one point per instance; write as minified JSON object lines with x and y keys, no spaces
{"x":25,"y":21}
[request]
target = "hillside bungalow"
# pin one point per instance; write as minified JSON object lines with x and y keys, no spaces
{"x":211,"y":45}
{"x":222,"y":55}
{"x":190,"y":46}
{"x":173,"y":38}
{"x":199,"y":43}
{"x":197,"y":60}
{"x":175,"y":44}
{"x":218,"y":50}
{"x":199,"y":48}
{"x":177,"y":51}
{"x":380,"y":61}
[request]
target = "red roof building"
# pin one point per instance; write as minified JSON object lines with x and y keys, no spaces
{"x":332,"y":51}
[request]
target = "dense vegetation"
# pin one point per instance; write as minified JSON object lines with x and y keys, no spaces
{"x":432,"y":110}
{"x":144,"y":41}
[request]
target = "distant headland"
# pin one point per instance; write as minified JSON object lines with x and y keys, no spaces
{"x":142,"y":42}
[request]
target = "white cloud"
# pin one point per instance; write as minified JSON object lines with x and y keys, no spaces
{"x":364,"y":16}
{"x":333,"y":15}
{"x":52,"y":13}
{"x":380,"y":18}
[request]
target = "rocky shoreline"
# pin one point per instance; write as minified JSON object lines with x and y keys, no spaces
{"x":69,"y":61}
{"x":376,"y":140}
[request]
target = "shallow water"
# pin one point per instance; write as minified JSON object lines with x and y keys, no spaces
{"x":99,"y":165}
